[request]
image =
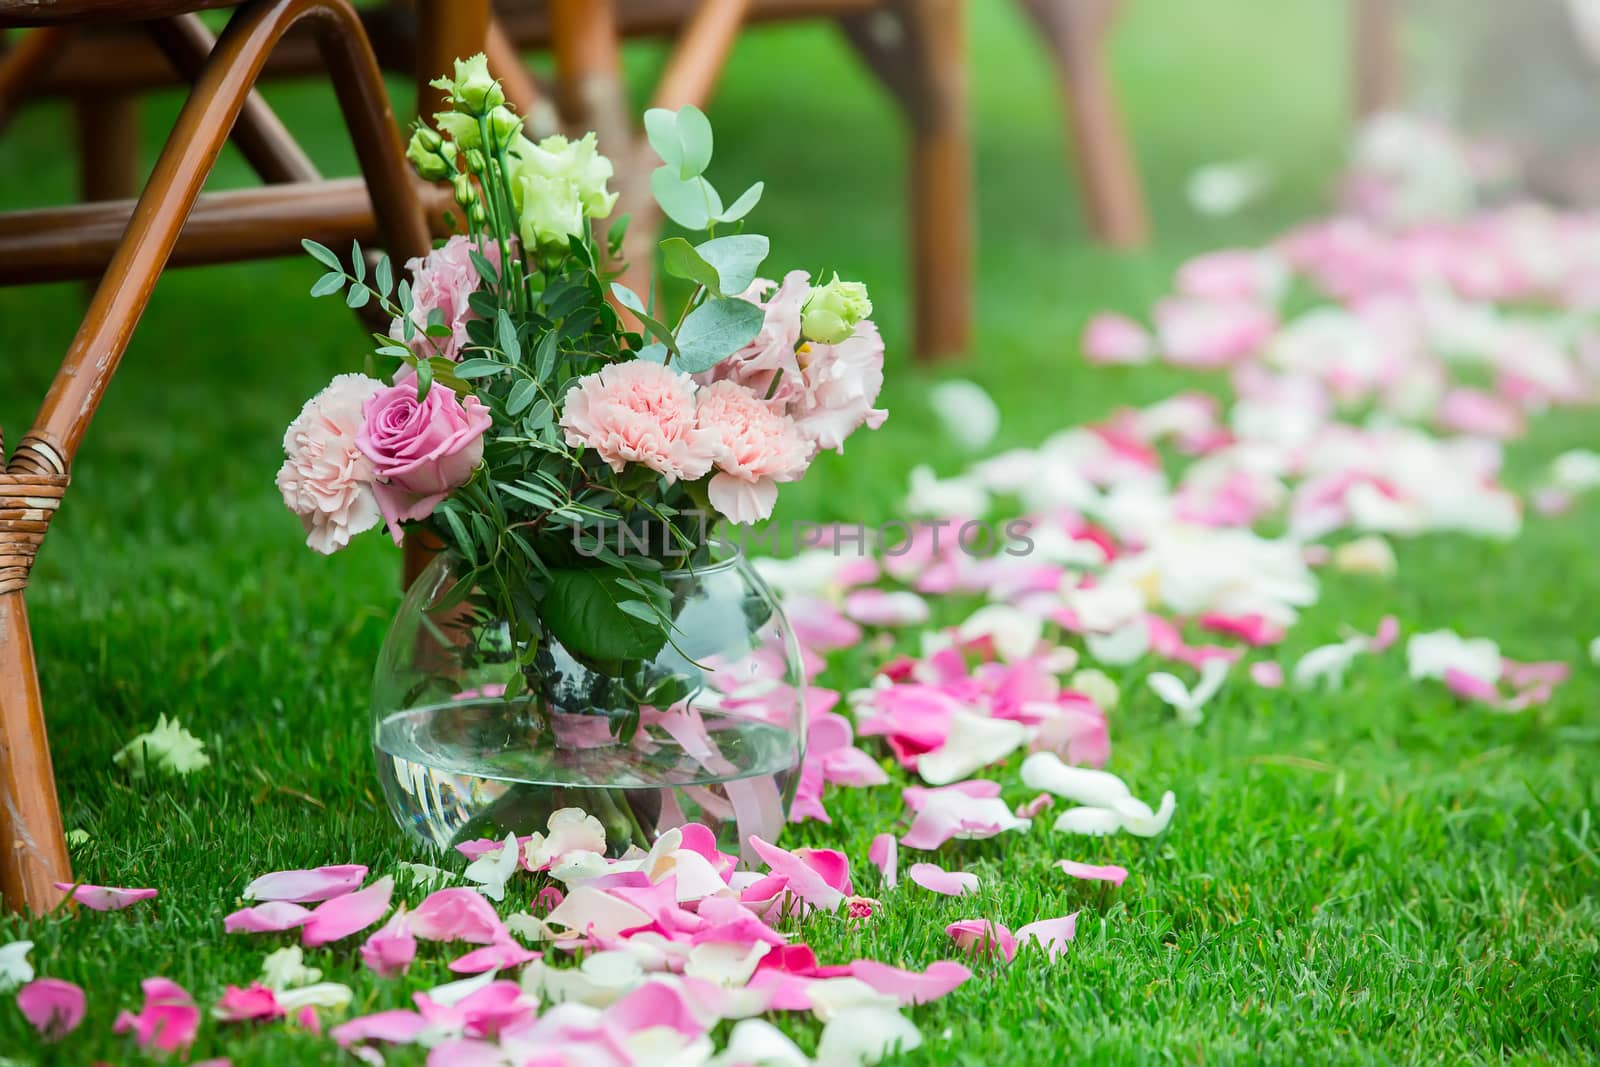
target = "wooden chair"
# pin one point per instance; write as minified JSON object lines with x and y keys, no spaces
{"x":127,"y":244}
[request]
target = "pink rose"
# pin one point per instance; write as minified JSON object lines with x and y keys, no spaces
{"x":420,"y":451}
{"x":841,"y":383}
{"x":754,"y":448}
{"x":443,"y":281}
{"x":638,"y":412}
{"x":326,"y":480}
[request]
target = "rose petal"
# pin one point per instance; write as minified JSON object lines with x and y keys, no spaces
{"x":884,"y":853}
{"x":936,"y":879}
{"x":909,"y":987}
{"x":1089,"y":872}
{"x":54,"y":1007}
{"x":271,"y":917}
{"x":104,"y":897}
{"x":349,"y":914}
{"x":307,"y":886}
{"x":981,"y":936}
{"x":1051,"y":935}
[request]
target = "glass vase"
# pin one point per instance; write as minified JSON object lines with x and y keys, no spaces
{"x":460,"y":759}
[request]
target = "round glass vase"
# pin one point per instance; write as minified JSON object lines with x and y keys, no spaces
{"x":460,"y":760}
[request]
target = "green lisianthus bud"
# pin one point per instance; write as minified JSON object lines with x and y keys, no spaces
{"x":476,"y":213}
{"x":473,"y":88}
{"x":832,"y":311}
{"x":475,"y":161}
{"x":424,"y":152}
{"x":465,"y":193}
{"x":504,"y":125}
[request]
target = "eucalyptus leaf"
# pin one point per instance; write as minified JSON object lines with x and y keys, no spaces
{"x":655,"y":352}
{"x":694,"y":133}
{"x":716,"y":330}
{"x":661,"y":127}
{"x":684,"y":202}
{"x":744,"y":205}
{"x":736,"y":259}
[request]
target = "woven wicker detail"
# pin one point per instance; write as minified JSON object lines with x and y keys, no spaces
{"x":27,"y":501}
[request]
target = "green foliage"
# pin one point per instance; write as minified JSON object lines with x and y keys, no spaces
{"x":595,"y":617}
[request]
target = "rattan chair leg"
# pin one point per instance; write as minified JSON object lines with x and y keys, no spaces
{"x":36,"y":476}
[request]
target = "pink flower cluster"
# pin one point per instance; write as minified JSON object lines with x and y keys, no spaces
{"x":757,"y":419}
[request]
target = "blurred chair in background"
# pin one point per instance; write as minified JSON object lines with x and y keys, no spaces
{"x":127,"y":244}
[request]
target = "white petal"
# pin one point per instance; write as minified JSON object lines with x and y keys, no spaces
{"x":1171,"y":691}
{"x":863,"y":1036}
{"x":1213,"y":672}
{"x":491,"y":869}
{"x":969,"y":414}
{"x":1095,"y":822}
{"x":1121,"y":646}
{"x":725,"y":964}
{"x":453,"y":992}
{"x":1101,"y":789}
{"x":757,"y":1043}
{"x":1141,"y":826}
{"x":320,"y":995}
{"x":974,"y":742}
{"x":15,"y":970}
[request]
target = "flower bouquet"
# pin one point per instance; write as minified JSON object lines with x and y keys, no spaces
{"x":585,"y":637}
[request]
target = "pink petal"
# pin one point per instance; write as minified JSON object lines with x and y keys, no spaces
{"x":398,"y":1027}
{"x":167,"y":1021}
{"x":936,"y":879}
{"x":981,"y":936}
{"x":917,"y":796}
{"x":1113,"y":338}
{"x":390,"y":951}
{"x":803,"y":881}
{"x":1091,"y":873}
{"x":1469,"y":686}
{"x":1549,"y":672}
{"x":1268,"y":674}
{"x":909,"y":987}
{"x":267,"y":918}
{"x":851,"y":766}
{"x":307,"y":886}
{"x":656,"y":1004}
{"x":54,"y":1007}
{"x":1388,"y":633}
{"x":493,"y":957}
{"x":1032,"y":809}
{"x":458,"y":915}
{"x":1251,"y":629}
{"x":105,"y":897}
{"x":349,"y":914}
{"x":884,"y":853}
{"x":1051,"y":935}
{"x":243,"y":1005}
{"x":877,"y":607}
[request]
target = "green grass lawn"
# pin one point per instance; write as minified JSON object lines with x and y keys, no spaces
{"x":1374,"y":874}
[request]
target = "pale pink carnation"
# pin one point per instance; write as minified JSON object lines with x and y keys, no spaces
{"x":443,"y":280}
{"x":754,"y":448}
{"x":638,"y":412}
{"x":326,"y":480}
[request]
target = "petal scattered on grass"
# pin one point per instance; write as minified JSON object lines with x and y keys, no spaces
{"x":307,"y":886}
{"x":168,"y":1020}
{"x":1092,"y":873}
{"x":105,"y":897}
{"x":884,"y":853}
{"x":936,"y":879}
{"x":982,"y":936}
{"x":53,"y":1006}
{"x":1051,"y":935}
{"x":349,"y":914}
{"x":271,"y":917}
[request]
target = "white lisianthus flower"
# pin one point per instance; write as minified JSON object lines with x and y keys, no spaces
{"x":168,"y":748}
{"x":556,"y":184}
